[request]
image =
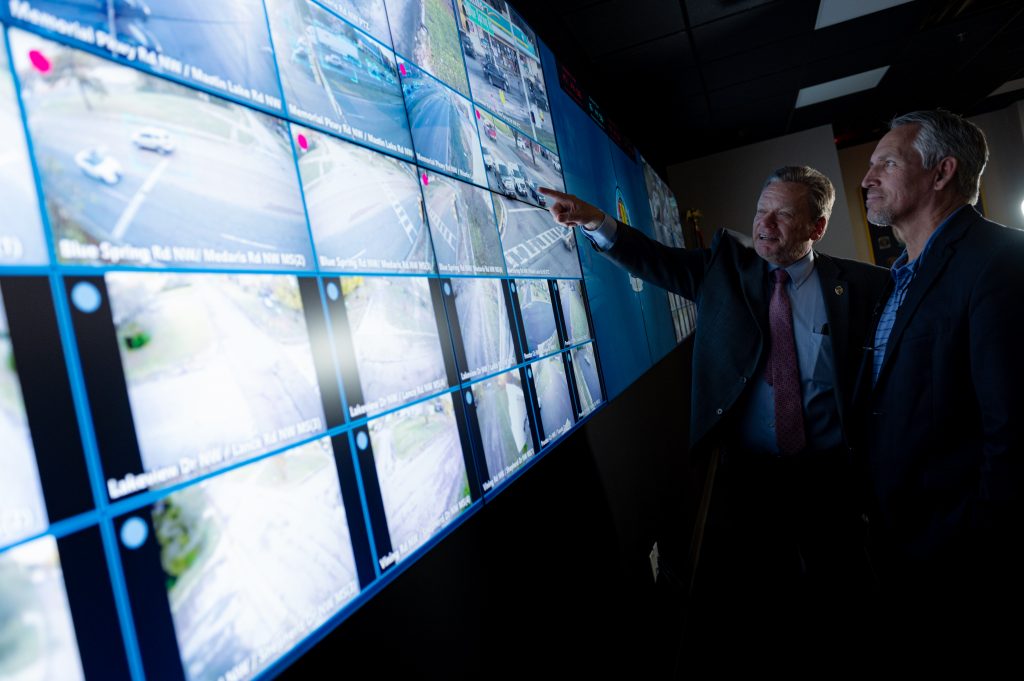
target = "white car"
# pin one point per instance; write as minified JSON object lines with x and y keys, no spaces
{"x":154,"y":139}
{"x":97,"y":164}
{"x":518,"y":179}
{"x":488,"y":160}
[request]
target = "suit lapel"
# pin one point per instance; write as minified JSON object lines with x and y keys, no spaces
{"x":931,"y":267}
{"x":836,"y":293}
{"x":755,"y":290}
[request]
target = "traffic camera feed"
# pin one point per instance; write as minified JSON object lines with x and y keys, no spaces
{"x":574,"y":311}
{"x":22,"y":509}
{"x":443,"y":129}
{"x":141,"y":171}
{"x":534,"y":245}
{"x":366,"y":15}
{"x":483,"y":326}
{"x":424,"y":33}
{"x":502,"y":414}
{"x":21,"y":234}
{"x":462,"y":225}
{"x":553,"y":400}
{"x":420,"y":468}
{"x":365,"y":209}
{"x":218,"y":367}
{"x":222,"y":46}
{"x":588,"y":382}
{"x":337,"y":78}
{"x":283,"y":514}
{"x":504,"y":68}
{"x":538,"y":316}
{"x":516,"y":165}
{"x":37,"y":631}
{"x":393,"y":331}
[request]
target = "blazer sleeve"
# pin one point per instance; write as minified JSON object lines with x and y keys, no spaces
{"x":679,"y":270}
{"x":997,"y":369}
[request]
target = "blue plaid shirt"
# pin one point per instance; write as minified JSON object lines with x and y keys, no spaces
{"x":903,"y":273}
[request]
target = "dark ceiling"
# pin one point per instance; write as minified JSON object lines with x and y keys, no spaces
{"x":686,"y":78}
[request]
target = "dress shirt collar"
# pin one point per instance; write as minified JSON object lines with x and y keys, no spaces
{"x":798,"y":271}
{"x":902,"y":269}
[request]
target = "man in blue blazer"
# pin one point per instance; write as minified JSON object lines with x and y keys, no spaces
{"x":945,"y":388}
{"x":782,"y":519}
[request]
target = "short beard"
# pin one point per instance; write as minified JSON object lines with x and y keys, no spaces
{"x":880,"y":218}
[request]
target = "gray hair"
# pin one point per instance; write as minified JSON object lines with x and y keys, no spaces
{"x":941,"y":134}
{"x":822,"y":194}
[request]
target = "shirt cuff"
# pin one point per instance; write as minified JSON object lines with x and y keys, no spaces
{"x":603,"y":236}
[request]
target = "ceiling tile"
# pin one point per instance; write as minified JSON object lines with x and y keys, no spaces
{"x":617,"y":24}
{"x":757,"y":27}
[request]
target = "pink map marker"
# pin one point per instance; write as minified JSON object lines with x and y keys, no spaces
{"x":303,"y":142}
{"x":39,"y":61}
{"x":401,"y":69}
{"x":426,"y":180}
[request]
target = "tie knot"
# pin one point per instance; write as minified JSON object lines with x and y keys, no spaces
{"x":781,"y":276}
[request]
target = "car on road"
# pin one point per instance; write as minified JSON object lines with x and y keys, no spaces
{"x":522,"y":143}
{"x":518,"y":178}
{"x":495,"y":76}
{"x":333,"y":60}
{"x":490,"y":130}
{"x":488,"y":160}
{"x":508,"y":183}
{"x":153,"y":139}
{"x":557,"y":164}
{"x":99,"y":165}
{"x":467,"y":46}
{"x":535,"y":193}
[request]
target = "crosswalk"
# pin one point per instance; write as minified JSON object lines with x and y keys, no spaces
{"x":403,"y":219}
{"x":520,"y":254}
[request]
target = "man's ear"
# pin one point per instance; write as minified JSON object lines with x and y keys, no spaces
{"x":819,"y":228}
{"x":944,"y":171}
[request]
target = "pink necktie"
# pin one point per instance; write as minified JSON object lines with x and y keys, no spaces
{"x":782,"y":371}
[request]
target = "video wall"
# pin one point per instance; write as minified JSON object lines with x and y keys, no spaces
{"x":280,"y":306}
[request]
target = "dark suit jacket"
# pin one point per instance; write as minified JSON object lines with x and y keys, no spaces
{"x":946,"y":431}
{"x":729,"y":282}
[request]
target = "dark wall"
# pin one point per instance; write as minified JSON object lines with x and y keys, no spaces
{"x":556,"y":566}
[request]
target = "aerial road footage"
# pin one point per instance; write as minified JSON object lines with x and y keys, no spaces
{"x":421,"y":471}
{"x":218,"y":367}
{"x":337,"y":78}
{"x":141,"y":171}
{"x":254,"y":559}
{"x":443,"y":128}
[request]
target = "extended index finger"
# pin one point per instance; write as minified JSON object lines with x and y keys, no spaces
{"x":554,"y":193}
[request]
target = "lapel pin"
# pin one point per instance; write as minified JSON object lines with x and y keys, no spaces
{"x":839,"y":290}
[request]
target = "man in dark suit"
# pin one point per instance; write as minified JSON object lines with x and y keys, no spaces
{"x":946,"y":385}
{"x":782,"y":521}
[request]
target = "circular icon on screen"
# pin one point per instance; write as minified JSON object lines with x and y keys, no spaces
{"x":86,"y":297}
{"x":134,"y":532}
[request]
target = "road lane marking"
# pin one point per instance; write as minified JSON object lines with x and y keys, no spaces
{"x":248,"y":242}
{"x":125,"y":221}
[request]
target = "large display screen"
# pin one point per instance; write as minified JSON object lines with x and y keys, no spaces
{"x":668,"y":229}
{"x":280,"y":307}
